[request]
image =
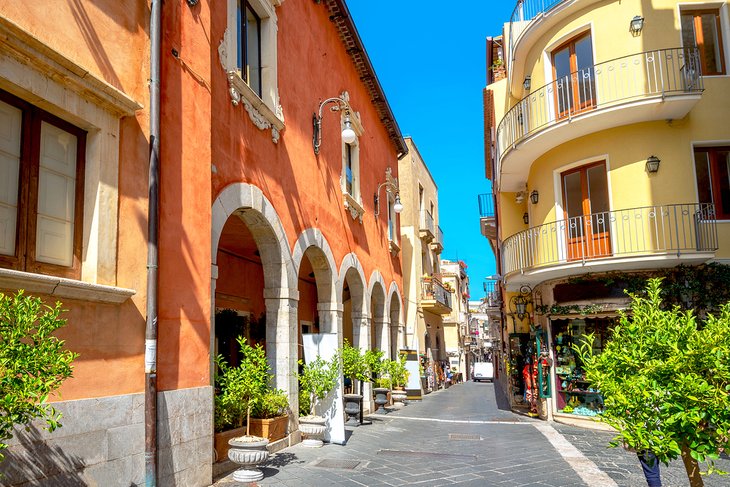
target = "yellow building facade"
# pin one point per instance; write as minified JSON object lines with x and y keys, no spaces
{"x":608,"y":150}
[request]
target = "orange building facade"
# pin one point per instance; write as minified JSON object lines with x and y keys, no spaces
{"x":261,"y":218}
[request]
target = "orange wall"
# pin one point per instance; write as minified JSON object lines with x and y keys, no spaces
{"x":312,"y":65}
{"x":240,"y":278}
{"x":109,"y":39}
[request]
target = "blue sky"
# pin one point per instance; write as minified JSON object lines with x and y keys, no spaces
{"x":431,"y":62}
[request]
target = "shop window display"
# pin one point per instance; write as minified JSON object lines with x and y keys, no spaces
{"x":574,"y":394}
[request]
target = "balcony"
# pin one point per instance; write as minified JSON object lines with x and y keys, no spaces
{"x":437,"y":245}
{"x":487,"y":220}
{"x":426,"y":229}
{"x":492,"y":295}
{"x":529,"y":21}
{"x":631,"y":239}
{"x":434,"y":297}
{"x":653,"y":85}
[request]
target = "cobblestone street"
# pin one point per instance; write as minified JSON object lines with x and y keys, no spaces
{"x":459,"y":436}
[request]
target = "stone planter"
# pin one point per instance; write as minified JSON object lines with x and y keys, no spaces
{"x":312,"y":428}
{"x":399,"y":397}
{"x":248,"y":451}
{"x":381,"y":399}
{"x":220,"y":442}
{"x":272,"y":428}
{"x":352,"y":408}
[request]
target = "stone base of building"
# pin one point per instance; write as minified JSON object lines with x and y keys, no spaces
{"x":102,"y":442}
{"x":581,"y":421}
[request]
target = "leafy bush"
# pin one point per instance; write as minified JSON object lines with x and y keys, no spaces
{"x":398,"y":372}
{"x":33,"y":362}
{"x":384,"y":382}
{"x":665,"y":381}
{"x":353,"y":363}
{"x":374,"y":361}
{"x":244,"y":387}
{"x":274,"y":403}
{"x":316,"y":380}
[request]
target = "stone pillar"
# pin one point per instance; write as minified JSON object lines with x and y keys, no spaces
{"x":361,"y":337}
{"x":382,"y":335}
{"x":281,"y":339}
{"x":330,"y":318}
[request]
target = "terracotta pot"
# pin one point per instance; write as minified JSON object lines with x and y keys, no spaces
{"x":271,"y":428}
{"x":220,"y":442}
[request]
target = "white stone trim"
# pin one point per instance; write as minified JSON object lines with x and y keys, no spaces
{"x":313,"y":237}
{"x":63,"y":288}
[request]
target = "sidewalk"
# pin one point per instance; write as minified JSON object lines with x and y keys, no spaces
{"x":459,"y":436}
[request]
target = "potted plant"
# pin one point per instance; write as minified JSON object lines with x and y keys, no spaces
{"x":354,"y":368}
{"x":376,"y":366}
{"x":316,"y":380}
{"x":399,"y":376}
{"x":245,"y":384}
{"x":270,"y":417}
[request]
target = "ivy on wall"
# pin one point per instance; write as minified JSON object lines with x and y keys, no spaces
{"x":702,"y":288}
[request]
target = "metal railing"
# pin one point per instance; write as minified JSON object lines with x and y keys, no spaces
{"x":651,"y":73}
{"x":427,"y":222}
{"x":432,"y":289}
{"x":668,"y":229}
{"x":523,"y":14}
{"x":440,"y":235}
{"x":492,"y":294}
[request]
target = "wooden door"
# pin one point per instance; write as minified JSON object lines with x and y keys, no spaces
{"x":575,"y":85}
{"x":587,"y":216}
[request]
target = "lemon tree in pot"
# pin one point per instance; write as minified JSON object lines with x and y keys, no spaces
{"x":246,"y":384}
{"x":377,"y":366}
{"x":354,"y":368}
{"x":316,"y":380}
{"x":399,"y":377}
{"x":270,"y":416}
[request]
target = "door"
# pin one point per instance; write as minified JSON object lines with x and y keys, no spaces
{"x":586,"y":207}
{"x":575,"y":85}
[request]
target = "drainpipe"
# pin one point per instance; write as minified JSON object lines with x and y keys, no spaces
{"x":150,"y":352}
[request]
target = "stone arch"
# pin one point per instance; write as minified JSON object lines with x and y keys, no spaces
{"x":379,"y":335}
{"x":247,"y":202}
{"x":352,"y":277}
{"x":395,"y":317}
{"x":325,"y":268}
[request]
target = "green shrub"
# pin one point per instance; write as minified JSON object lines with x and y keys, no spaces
{"x":33,"y":363}
{"x":316,"y":380}
{"x":665,"y":381}
{"x":274,"y":403}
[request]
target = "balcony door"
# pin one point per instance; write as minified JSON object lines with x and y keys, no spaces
{"x":586,"y":207}
{"x":575,"y":86}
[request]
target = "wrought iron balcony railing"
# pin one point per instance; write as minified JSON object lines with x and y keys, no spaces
{"x":433,"y":290}
{"x":653,"y":73}
{"x":427,"y":222}
{"x":651,"y":230}
{"x":486,"y":205}
{"x":440,"y":236}
{"x":523,"y":14}
{"x":492,"y":294}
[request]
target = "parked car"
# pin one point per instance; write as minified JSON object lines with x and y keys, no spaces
{"x":483,"y":371}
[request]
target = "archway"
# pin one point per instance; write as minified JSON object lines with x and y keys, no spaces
{"x":379,"y":334}
{"x":397,"y":335}
{"x":252,"y":282}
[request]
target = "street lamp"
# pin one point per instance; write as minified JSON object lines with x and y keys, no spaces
{"x":391,"y":187}
{"x":518,"y":303}
{"x":340,"y":104}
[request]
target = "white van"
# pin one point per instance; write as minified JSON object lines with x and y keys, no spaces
{"x":483,"y":371}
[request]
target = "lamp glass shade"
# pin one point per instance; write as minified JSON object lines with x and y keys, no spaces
{"x":637,"y":23}
{"x":348,"y":135}
{"x":521,"y":307}
{"x":652,"y":164}
{"x":534,"y":196}
{"x":398,"y":206}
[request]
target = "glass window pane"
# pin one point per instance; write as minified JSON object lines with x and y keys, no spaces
{"x":348,"y":168}
{"x":573,"y":195}
{"x":723,"y":162}
{"x":10,"y":129}
{"x":252,"y":51}
{"x":585,"y":79}
{"x":56,"y":196}
{"x":598,"y":189}
{"x":561,"y":62}
{"x":688,"y":31}
{"x":239,"y":40}
{"x":702,"y":169}
{"x":711,"y":43}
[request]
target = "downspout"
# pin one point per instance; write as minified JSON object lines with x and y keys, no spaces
{"x":150,"y":353}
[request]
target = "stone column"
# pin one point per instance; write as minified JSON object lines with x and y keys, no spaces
{"x":382,"y":335}
{"x":281,"y":339}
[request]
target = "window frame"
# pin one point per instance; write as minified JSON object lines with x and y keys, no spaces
{"x":242,"y":50}
{"x":28,"y":181}
{"x":575,"y":105}
{"x":715,"y":189}
{"x":696,"y":13}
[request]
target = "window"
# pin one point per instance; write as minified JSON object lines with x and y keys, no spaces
{"x":349,"y":176}
{"x":712,"y":166}
{"x":701,"y":29}
{"x":574,"y":79}
{"x":391,"y":219}
{"x":41,"y":190}
{"x":249,"y":45}
{"x":586,"y":207}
